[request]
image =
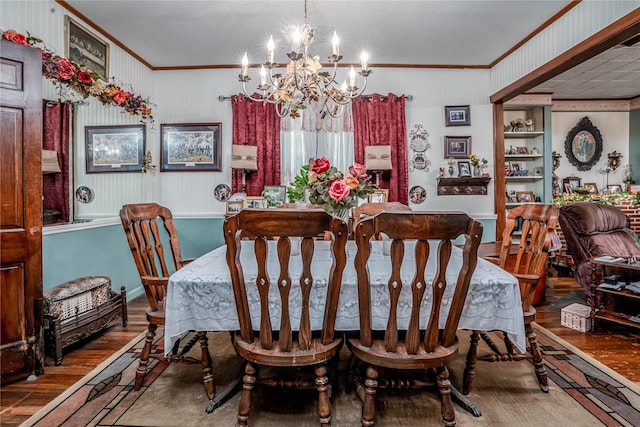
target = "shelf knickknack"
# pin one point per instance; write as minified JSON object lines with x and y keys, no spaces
{"x":465,"y":186}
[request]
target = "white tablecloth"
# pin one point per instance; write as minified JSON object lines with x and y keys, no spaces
{"x":200,"y":295}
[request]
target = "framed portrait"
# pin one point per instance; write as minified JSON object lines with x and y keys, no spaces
{"x":591,"y":187}
{"x":234,"y":206}
{"x":583,"y":145}
{"x":464,"y":168}
{"x":255,"y":202}
{"x":567,"y":188}
{"x":522,"y":150}
{"x":457,"y":115}
{"x":572,"y":182}
{"x":85,"y":49}
{"x":190,"y":147}
{"x":614,"y":188}
{"x":633,"y":188}
{"x":114,"y":148}
{"x":379,"y":195}
{"x":458,"y":147}
{"x":525,"y":196}
{"x":275,"y":195}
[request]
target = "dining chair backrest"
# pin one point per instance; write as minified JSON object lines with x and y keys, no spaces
{"x":147,"y":227}
{"x":533,"y":225}
{"x":370,"y":209}
{"x":284,"y":224}
{"x":421,"y":227}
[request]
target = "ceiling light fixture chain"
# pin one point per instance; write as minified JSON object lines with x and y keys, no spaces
{"x":303,"y":82}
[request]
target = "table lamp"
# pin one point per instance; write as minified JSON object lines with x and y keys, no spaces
{"x":377,"y":159}
{"x":245,"y":158}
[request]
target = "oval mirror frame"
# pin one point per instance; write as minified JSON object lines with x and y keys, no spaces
{"x":583,"y":145}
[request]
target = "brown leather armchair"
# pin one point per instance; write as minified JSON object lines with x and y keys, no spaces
{"x":593,"y":230}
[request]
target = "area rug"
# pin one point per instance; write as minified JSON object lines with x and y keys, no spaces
{"x":568,"y":299}
{"x":582,"y":392}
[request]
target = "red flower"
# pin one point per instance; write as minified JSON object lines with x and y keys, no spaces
{"x":46,"y":55}
{"x":339,"y":190}
{"x":320,"y":166}
{"x":358,"y":170}
{"x":67,"y":70}
{"x":119,"y":97}
{"x":85,"y":78}
{"x":15,"y":37}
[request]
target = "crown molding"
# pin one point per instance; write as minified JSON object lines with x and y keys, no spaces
{"x":531,"y":99}
{"x":634,"y":103}
{"x":592,"y":105}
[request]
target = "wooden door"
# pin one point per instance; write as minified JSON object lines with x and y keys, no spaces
{"x":20,"y":211}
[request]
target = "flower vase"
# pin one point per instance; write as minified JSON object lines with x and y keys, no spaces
{"x":476,"y":171}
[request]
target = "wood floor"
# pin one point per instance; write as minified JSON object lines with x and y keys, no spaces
{"x":617,"y":348}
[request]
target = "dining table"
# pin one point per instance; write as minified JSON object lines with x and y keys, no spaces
{"x":200,"y":295}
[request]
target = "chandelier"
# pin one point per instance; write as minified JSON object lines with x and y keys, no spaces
{"x":303,"y":81}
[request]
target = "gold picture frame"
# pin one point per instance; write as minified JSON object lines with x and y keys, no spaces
{"x":255,"y":202}
{"x":591,"y":187}
{"x":85,"y":49}
{"x":379,"y":195}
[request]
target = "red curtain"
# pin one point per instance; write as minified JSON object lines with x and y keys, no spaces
{"x":56,"y":118}
{"x":257,"y":123}
{"x":381,"y":119}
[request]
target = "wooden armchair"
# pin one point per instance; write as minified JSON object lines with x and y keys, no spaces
{"x":145,"y":237}
{"x":434,"y":344}
{"x":279,"y":345}
{"x":533,"y":225}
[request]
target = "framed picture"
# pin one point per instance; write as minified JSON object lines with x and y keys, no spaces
{"x":275,"y":195}
{"x":572,"y":181}
{"x":591,"y":187}
{"x":614,"y":188}
{"x":457,"y":115}
{"x":379,"y":195}
{"x":525,"y":196}
{"x":522,"y":150}
{"x":234,"y":206}
{"x":464,"y":168}
{"x":255,"y":202}
{"x":633,"y":188}
{"x":458,"y":147}
{"x":85,"y":49}
{"x":567,"y":188}
{"x":114,"y":148}
{"x":188,"y":147}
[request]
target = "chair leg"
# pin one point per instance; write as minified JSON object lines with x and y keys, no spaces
{"x":207,"y":365}
{"x":248,"y":382}
{"x":538,"y":364}
{"x":369,"y":404}
{"x":144,"y":356}
{"x":470,"y":368}
{"x":324,"y":403}
{"x":446,"y":408}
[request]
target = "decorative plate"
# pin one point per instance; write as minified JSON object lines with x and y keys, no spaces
{"x":417,"y":194}
{"x":84,"y":194}
{"x":222,"y":192}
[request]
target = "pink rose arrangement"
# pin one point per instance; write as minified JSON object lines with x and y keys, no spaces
{"x":334,"y":192}
{"x":62,"y":71}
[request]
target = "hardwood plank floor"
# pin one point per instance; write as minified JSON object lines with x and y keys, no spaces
{"x":616,"y":347}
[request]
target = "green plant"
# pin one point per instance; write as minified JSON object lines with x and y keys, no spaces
{"x":295,"y":192}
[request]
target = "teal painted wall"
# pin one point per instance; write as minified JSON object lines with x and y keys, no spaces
{"x":634,"y":143}
{"x":104,"y":251}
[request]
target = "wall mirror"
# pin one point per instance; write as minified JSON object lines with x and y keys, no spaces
{"x":583,"y":145}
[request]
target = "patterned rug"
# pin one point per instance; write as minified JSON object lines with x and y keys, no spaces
{"x":583,"y":392}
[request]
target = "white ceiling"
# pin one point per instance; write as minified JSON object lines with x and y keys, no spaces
{"x":188,"y":33}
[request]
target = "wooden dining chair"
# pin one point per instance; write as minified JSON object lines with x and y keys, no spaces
{"x":429,"y":341}
{"x":278,"y":345}
{"x":147,"y":227}
{"x":530,"y":228}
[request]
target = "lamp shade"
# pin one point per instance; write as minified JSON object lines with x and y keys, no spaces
{"x":377,"y":157}
{"x":244,"y":157}
{"x":50,"y":162}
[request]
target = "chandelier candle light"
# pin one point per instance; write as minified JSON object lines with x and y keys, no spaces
{"x":303,"y":82}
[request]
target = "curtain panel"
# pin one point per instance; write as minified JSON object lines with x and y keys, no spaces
{"x":257,"y":123}
{"x":379,"y":119}
{"x":56,"y":117}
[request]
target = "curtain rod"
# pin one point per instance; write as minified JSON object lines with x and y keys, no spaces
{"x":407,"y":97}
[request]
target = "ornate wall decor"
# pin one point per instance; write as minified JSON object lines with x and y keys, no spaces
{"x":419,"y":138}
{"x":583,"y":145}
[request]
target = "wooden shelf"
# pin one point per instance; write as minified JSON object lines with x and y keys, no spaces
{"x":528,"y":178}
{"x":466,"y":186}
{"x":523,"y":156}
{"x":523,"y":134}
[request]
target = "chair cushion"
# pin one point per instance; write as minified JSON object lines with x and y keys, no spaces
{"x":592,"y":218}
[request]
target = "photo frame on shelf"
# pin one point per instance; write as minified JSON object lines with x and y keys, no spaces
{"x":190,"y":147}
{"x":572,"y":181}
{"x":633,"y":188}
{"x":275,"y":195}
{"x":591,"y":187}
{"x":85,"y":49}
{"x":457,"y":115}
{"x":457,"y":147}
{"x":464,"y":169}
{"x":255,"y":202}
{"x":525,"y":196}
{"x":110,"y":149}
{"x":567,"y":188}
{"x":522,"y":150}
{"x":234,"y":206}
{"x":614,"y":188}
{"x":379,"y":195}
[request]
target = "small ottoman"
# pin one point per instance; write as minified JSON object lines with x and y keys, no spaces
{"x":79,"y":308}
